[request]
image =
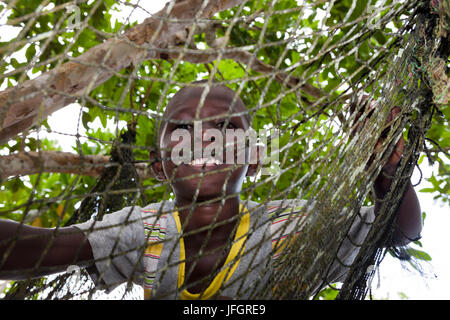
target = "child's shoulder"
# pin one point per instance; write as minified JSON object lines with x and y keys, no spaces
{"x":154,"y":217}
{"x":161,"y":207}
{"x":285,"y":217}
{"x":156,"y":211}
{"x":280,"y":208}
{"x":287,"y":206}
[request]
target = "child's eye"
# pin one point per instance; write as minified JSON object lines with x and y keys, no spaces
{"x":230,"y":125}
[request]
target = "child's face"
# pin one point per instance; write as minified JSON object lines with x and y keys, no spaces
{"x":219,"y":178}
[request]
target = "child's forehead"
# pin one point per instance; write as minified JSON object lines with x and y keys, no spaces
{"x":216,"y":97}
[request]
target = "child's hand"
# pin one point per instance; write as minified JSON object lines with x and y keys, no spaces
{"x":397,"y":153}
{"x":408,"y":221}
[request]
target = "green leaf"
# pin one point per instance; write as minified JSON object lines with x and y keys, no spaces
{"x":428,"y":190}
{"x":31,"y":52}
{"x":421,"y":255}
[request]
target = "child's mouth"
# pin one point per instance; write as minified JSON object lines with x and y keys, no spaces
{"x":205,"y":162}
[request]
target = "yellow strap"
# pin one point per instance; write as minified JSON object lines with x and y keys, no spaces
{"x":219,"y":279}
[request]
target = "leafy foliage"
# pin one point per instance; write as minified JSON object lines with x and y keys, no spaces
{"x":334,"y":61}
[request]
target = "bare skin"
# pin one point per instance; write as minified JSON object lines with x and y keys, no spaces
{"x":67,"y":246}
{"x":204,"y":208}
{"x":184,"y":107}
{"x":409,"y":219}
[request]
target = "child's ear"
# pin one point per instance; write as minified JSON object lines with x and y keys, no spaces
{"x":156,"y":165}
{"x":252,"y":169}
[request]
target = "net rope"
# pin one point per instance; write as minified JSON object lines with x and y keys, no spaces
{"x":309,"y":73}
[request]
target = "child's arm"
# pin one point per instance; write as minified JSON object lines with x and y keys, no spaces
{"x":409,"y":217}
{"x":408,"y":220}
{"x":40,"y":251}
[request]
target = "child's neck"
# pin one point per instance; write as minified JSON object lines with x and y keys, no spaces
{"x":203,"y":215}
{"x":213,"y":244}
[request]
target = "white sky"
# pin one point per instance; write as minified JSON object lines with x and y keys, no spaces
{"x":436,"y":280}
{"x":434,"y":284}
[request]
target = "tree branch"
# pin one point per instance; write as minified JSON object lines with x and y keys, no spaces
{"x":246,"y":58}
{"x":29,"y":103}
{"x":26,"y":163}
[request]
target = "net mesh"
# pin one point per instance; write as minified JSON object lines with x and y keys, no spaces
{"x":309,"y":72}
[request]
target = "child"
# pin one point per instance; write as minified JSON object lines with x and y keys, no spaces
{"x":207,"y":243}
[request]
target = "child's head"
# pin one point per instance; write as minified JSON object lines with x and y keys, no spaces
{"x":206,"y":114}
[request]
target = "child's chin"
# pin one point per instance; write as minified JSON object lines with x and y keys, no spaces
{"x":217,"y":183}
{"x":204,"y":189}
{"x":209,"y":188}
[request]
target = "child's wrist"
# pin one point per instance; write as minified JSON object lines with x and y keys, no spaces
{"x":388,"y":170}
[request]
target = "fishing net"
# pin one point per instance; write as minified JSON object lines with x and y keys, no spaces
{"x":319,"y":80}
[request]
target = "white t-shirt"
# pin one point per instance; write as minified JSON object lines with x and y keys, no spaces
{"x":144,"y":245}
